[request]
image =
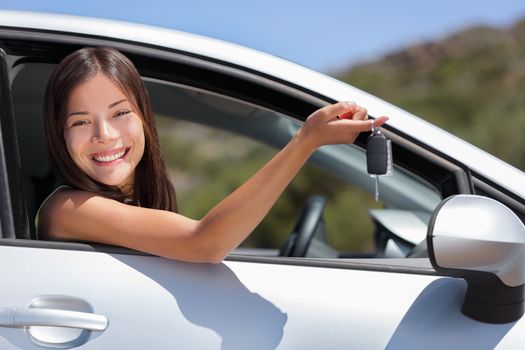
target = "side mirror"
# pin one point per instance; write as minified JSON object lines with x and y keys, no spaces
{"x":481,"y":240}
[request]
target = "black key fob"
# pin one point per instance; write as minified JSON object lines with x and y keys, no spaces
{"x":378,"y":157}
{"x":378,"y":154}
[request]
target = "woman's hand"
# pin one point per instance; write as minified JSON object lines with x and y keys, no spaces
{"x":339,"y":123}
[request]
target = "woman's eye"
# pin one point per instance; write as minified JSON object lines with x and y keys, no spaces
{"x":121,"y":113}
{"x":79,"y":123}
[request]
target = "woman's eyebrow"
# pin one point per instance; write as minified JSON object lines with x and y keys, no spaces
{"x":116,"y":103}
{"x":111,"y":105}
{"x":77,"y":113}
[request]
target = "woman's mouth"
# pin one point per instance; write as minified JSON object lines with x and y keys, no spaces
{"x":109,"y":157}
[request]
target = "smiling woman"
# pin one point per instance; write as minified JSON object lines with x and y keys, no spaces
{"x":103,"y":143}
{"x":107,"y":111}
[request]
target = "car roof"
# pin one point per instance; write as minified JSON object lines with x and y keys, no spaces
{"x":476,"y":159}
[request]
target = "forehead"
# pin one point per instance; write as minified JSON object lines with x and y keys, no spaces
{"x":98,"y":92}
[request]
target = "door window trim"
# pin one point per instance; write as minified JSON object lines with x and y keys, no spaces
{"x":147,"y":58}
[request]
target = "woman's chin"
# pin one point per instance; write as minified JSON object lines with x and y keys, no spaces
{"x":120,"y":183}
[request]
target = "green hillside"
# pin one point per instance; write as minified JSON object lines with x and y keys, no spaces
{"x":471,"y":84}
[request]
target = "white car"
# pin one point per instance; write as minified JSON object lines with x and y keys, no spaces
{"x":448,"y":271}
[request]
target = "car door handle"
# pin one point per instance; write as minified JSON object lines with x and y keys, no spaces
{"x":33,"y":317}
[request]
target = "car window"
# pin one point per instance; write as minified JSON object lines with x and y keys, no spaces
{"x":213,"y":143}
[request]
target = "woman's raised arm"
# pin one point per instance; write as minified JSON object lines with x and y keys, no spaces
{"x":80,"y":215}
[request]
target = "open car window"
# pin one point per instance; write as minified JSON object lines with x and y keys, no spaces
{"x":212,"y":143}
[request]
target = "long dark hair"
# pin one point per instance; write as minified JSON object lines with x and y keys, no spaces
{"x":153,"y":188}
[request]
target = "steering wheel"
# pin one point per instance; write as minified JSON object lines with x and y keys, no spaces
{"x":310,"y":224}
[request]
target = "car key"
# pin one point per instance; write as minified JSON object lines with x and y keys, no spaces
{"x":378,"y":157}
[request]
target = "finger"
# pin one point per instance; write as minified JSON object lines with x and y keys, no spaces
{"x":361,"y":114}
{"x":337,"y":109}
{"x":363,"y":125}
{"x":379,"y":121}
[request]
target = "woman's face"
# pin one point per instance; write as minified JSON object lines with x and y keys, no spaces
{"x":103,"y":132}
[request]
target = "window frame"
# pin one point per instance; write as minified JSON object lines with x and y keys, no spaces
{"x":237,"y":82}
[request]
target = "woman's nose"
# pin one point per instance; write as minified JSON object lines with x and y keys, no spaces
{"x":104,"y":132}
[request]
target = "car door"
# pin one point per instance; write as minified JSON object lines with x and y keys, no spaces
{"x":79,"y":295}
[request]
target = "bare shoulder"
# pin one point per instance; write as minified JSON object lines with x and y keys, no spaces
{"x":65,"y":206}
{"x":64,"y":194}
{"x":70,"y":214}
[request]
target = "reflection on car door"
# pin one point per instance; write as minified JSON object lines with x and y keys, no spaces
{"x":151,"y":301}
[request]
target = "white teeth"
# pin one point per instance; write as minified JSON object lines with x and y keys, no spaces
{"x":110,"y":158}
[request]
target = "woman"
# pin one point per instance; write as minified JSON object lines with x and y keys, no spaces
{"x":103,"y":143}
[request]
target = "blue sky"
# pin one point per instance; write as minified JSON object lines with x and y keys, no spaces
{"x":323,"y":35}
